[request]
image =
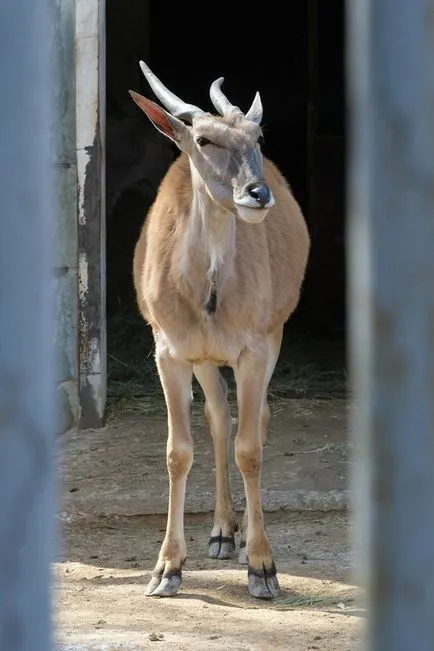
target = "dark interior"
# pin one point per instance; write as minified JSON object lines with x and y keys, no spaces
{"x":297,"y":64}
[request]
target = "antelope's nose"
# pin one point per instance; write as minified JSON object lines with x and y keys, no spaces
{"x":260,"y":192}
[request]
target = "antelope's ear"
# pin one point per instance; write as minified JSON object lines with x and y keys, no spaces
{"x":165,"y":123}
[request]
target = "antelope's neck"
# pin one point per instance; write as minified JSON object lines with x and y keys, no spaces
{"x":209,"y":241}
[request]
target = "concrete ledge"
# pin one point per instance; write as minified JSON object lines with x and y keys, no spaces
{"x":129,"y":503}
{"x":121,"y":470}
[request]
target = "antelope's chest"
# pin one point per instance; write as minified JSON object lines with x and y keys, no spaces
{"x":210,"y":317}
{"x":207,"y":338}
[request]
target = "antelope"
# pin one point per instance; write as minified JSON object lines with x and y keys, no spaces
{"x":218,"y":270}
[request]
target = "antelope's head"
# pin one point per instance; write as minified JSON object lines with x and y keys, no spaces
{"x":224,"y":150}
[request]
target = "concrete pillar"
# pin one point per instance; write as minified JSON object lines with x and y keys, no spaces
{"x":65,"y":225}
{"x":90,"y":115}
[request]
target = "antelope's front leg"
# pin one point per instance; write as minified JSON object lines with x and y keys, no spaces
{"x":176,"y":379}
{"x":251,"y":379}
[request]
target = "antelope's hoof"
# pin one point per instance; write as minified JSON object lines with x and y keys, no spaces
{"x":164,"y":585}
{"x":263,"y":584}
{"x":242,"y":554}
{"x":221,"y":547}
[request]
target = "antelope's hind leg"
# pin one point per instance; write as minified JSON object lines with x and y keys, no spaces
{"x":222,"y":540}
{"x":176,"y":379}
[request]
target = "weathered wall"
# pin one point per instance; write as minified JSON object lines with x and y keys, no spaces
{"x":78,"y":234}
{"x":90,"y":152}
{"x":65,"y":218}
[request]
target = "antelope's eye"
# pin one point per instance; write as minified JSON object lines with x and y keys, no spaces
{"x":261,"y":140}
{"x":202,"y":141}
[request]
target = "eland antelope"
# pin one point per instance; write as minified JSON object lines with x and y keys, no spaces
{"x":218,"y":270}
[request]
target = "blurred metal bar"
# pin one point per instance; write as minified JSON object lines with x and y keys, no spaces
{"x":26,"y":328}
{"x":391,"y":265}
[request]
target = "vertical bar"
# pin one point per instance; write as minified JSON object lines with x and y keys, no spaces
{"x":391,"y":265}
{"x":65,"y":226}
{"x":26,"y":327}
{"x":90,"y":114}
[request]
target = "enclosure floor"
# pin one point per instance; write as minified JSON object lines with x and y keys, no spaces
{"x":120,"y":470}
{"x":100,"y":602}
{"x":115,"y":478}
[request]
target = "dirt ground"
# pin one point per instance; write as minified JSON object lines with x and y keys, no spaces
{"x":100,"y":585}
{"x":112,"y":521}
{"x":120,"y":470}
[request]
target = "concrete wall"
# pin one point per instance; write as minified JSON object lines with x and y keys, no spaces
{"x":90,"y":152}
{"x":79,"y":222}
{"x":65,"y":218}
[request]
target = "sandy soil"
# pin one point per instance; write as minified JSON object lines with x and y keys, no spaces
{"x":100,"y":602}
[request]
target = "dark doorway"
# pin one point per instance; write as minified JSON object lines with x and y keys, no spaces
{"x":296,"y":61}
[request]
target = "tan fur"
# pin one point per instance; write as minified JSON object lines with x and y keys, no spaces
{"x":262,"y":293}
